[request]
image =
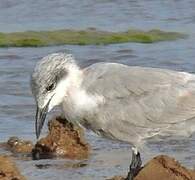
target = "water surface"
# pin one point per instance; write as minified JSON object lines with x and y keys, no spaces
{"x":17,"y":107}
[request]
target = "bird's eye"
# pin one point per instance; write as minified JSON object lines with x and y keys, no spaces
{"x":50,"y":87}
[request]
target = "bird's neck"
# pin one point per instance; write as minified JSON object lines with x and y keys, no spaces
{"x":78,"y":102}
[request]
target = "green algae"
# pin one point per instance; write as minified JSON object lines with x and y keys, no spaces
{"x":83,"y":37}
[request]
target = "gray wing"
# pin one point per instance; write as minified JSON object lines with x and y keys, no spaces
{"x":140,"y":99}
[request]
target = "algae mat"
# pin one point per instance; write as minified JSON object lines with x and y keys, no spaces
{"x":83,"y":37}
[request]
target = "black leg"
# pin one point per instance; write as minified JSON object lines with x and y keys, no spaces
{"x":135,"y":165}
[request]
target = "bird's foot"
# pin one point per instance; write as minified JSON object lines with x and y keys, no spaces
{"x":135,"y":165}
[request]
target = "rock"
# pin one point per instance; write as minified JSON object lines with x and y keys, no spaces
{"x":64,"y":139}
{"x":163,"y":168}
{"x":16,"y":145}
{"x":8,"y":170}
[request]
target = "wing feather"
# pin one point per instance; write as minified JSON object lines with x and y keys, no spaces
{"x":146,"y":98}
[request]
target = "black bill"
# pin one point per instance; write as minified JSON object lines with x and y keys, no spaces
{"x":40,"y":119}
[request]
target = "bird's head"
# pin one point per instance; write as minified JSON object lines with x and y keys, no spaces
{"x":51,"y":80}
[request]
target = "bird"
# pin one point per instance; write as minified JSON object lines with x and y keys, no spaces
{"x":116,"y":101}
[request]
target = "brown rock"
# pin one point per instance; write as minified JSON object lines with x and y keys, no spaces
{"x":16,"y":145}
{"x":64,"y":139}
{"x":163,"y":168}
{"x":8,"y":170}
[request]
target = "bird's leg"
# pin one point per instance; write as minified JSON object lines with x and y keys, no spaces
{"x":135,"y":165}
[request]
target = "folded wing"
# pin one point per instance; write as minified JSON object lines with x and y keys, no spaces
{"x":149,"y":99}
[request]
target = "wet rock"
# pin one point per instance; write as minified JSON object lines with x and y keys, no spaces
{"x":64,"y":139}
{"x":163,"y":168}
{"x":16,"y":145}
{"x":8,"y":170}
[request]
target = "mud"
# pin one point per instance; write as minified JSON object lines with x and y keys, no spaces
{"x":64,"y":139}
{"x":163,"y":168}
{"x":8,"y":170}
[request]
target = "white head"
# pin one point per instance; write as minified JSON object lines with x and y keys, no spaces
{"x":53,"y":77}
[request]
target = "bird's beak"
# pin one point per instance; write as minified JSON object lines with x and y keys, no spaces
{"x":40,"y":119}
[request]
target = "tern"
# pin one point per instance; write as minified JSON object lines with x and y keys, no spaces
{"x":120,"y":102}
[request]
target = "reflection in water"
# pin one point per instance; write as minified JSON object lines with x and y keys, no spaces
{"x":67,"y":165}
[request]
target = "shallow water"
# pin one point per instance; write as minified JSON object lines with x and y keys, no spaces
{"x":104,"y":14}
{"x":17,"y":108}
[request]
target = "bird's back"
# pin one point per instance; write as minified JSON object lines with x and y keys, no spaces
{"x":140,"y":102}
